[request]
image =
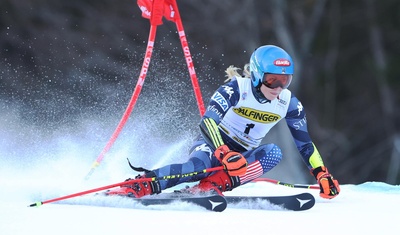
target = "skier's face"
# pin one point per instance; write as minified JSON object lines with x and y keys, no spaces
{"x":270,"y":93}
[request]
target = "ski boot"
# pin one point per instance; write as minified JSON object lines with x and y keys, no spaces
{"x":138,"y":189}
{"x":216,"y":183}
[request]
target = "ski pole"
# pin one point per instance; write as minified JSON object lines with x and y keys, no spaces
{"x":167,"y":177}
{"x":78,"y":194}
{"x":285,"y":184}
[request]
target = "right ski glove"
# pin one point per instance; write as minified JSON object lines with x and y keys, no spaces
{"x":328,"y":185}
{"x":234,"y":162}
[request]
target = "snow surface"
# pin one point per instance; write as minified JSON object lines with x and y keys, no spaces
{"x":368,"y":208}
{"x":38,"y":167}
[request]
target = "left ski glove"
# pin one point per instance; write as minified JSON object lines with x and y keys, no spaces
{"x":234,"y":162}
{"x":328,"y":185}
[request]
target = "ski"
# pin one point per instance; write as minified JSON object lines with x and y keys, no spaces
{"x":213,"y":202}
{"x":297,"y":202}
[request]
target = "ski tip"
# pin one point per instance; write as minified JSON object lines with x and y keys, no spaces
{"x":36,"y":204}
{"x":297,"y":202}
{"x":217,"y":203}
{"x":306,"y":201}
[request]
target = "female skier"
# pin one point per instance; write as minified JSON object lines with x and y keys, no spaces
{"x":240,"y":114}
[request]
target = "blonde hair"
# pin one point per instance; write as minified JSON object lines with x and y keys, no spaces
{"x":232,"y":72}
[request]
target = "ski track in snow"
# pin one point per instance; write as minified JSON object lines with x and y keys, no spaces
{"x":369,"y":208}
{"x":43,"y":171}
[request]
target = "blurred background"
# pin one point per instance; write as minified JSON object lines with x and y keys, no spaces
{"x":68,"y":69}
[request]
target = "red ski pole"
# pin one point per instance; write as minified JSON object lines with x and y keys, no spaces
{"x":127,"y":182}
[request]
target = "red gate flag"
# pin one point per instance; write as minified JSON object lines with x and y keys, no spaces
{"x":155,"y":10}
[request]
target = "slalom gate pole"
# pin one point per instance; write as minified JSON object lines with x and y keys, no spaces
{"x":127,"y":182}
{"x":132,"y":102}
{"x":154,"y":10}
{"x":286,"y":184}
{"x":188,"y":58}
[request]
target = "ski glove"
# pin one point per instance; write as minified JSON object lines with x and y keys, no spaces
{"x":234,"y":162}
{"x":328,"y":185}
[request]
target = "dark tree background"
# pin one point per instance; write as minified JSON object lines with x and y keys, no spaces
{"x":63,"y":59}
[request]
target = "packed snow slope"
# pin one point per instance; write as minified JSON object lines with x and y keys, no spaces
{"x":368,"y":208}
{"x":39,"y":166}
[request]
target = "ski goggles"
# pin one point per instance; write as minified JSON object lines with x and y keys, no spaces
{"x":273,"y":81}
